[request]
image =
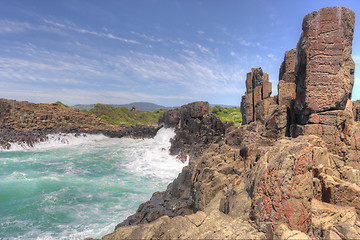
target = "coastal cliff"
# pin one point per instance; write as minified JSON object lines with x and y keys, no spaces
{"x":290,"y":172}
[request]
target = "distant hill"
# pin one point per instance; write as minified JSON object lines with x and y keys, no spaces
{"x":222,"y":105}
{"x":140,"y":106}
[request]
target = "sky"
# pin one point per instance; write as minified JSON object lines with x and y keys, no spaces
{"x":168,"y":52}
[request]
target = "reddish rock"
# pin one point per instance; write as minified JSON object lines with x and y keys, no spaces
{"x":325,"y":70}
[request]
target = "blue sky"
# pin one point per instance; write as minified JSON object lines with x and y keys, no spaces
{"x":166,"y":52}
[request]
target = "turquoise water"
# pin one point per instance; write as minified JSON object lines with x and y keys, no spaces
{"x":76,"y":187}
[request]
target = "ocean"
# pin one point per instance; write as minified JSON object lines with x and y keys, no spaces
{"x":72,"y":187}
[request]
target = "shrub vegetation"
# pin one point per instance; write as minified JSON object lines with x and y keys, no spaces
{"x":226,"y":114}
{"x":123,"y":115}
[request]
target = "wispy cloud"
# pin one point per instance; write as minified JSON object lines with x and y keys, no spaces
{"x":7,"y":26}
{"x":72,"y":27}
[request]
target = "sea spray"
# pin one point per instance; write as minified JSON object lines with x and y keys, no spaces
{"x":72,"y":187}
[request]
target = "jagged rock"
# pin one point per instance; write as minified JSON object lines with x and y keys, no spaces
{"x":218,"y":167}
{"x":287,"y":85}
{"x":258,"y":88}
{"x":198,"y":129}
{"x":170,"y":119}
{"x":325,"y":70}
{"x":277,"y":121}
{"x":282,"y":184}
{"x":334,"y":222}
{"x":175,"y":201}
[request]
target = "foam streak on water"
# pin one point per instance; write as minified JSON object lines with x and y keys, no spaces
{"x":73,"y":187}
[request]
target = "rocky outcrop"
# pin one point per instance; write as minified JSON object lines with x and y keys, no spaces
{"x":195,"y":131}
{"x":287,"y":76}
{"x":197,"y":128}
{"x":356,"y":111}
{"x":325,"y":69}
{"x":29,"y":123}
{"x":292,"y":170}
{"x":258,"y":89}
{"x":324,"y":81}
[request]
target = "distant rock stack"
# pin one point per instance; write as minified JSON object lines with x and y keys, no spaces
{"x":258,"y":88}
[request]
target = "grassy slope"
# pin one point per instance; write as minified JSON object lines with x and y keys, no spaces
{"x":123,"y":115}
{"x":227,"y":114}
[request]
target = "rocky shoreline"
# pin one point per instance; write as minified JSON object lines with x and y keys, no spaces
{"x":29,"y":123}
{"x":292,"y":171}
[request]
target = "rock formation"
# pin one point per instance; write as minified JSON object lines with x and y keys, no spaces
{"x":356,"y":111}
{"x":292,"y":170}
{"x":258,"y":90}
{"x":28,"y":123}
{"x":195,"y":130}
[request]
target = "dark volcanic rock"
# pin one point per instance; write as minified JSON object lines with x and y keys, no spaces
{"x":198,"y":129}
{"x":170,"y":119}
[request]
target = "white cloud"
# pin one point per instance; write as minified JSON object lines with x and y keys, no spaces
{"x":271,"y":56}
{"x":72,"y":27}
{"x":7,"y":26}
{"x":200,"y":32}
{"x":356,"y":58}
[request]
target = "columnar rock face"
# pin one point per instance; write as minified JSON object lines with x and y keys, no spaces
{"x":325,"y":70}
{"x":324,"y":80}
{"x":258,"y":88}
{"x":287,"y":85}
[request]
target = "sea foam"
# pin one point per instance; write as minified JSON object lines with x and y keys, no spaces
{"x":73,"y":187}
{"x":54,"y":141}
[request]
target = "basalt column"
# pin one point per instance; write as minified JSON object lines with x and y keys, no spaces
{"x":325,"y":69}
{"x":258,"y":88}
{"x":325,"y":78}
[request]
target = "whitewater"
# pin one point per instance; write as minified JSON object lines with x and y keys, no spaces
{"x":77,"y":186}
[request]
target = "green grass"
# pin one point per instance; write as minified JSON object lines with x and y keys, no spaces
{"x":227,"y":114}
{"x":61,"y":104}
{"x":123,"y":115}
